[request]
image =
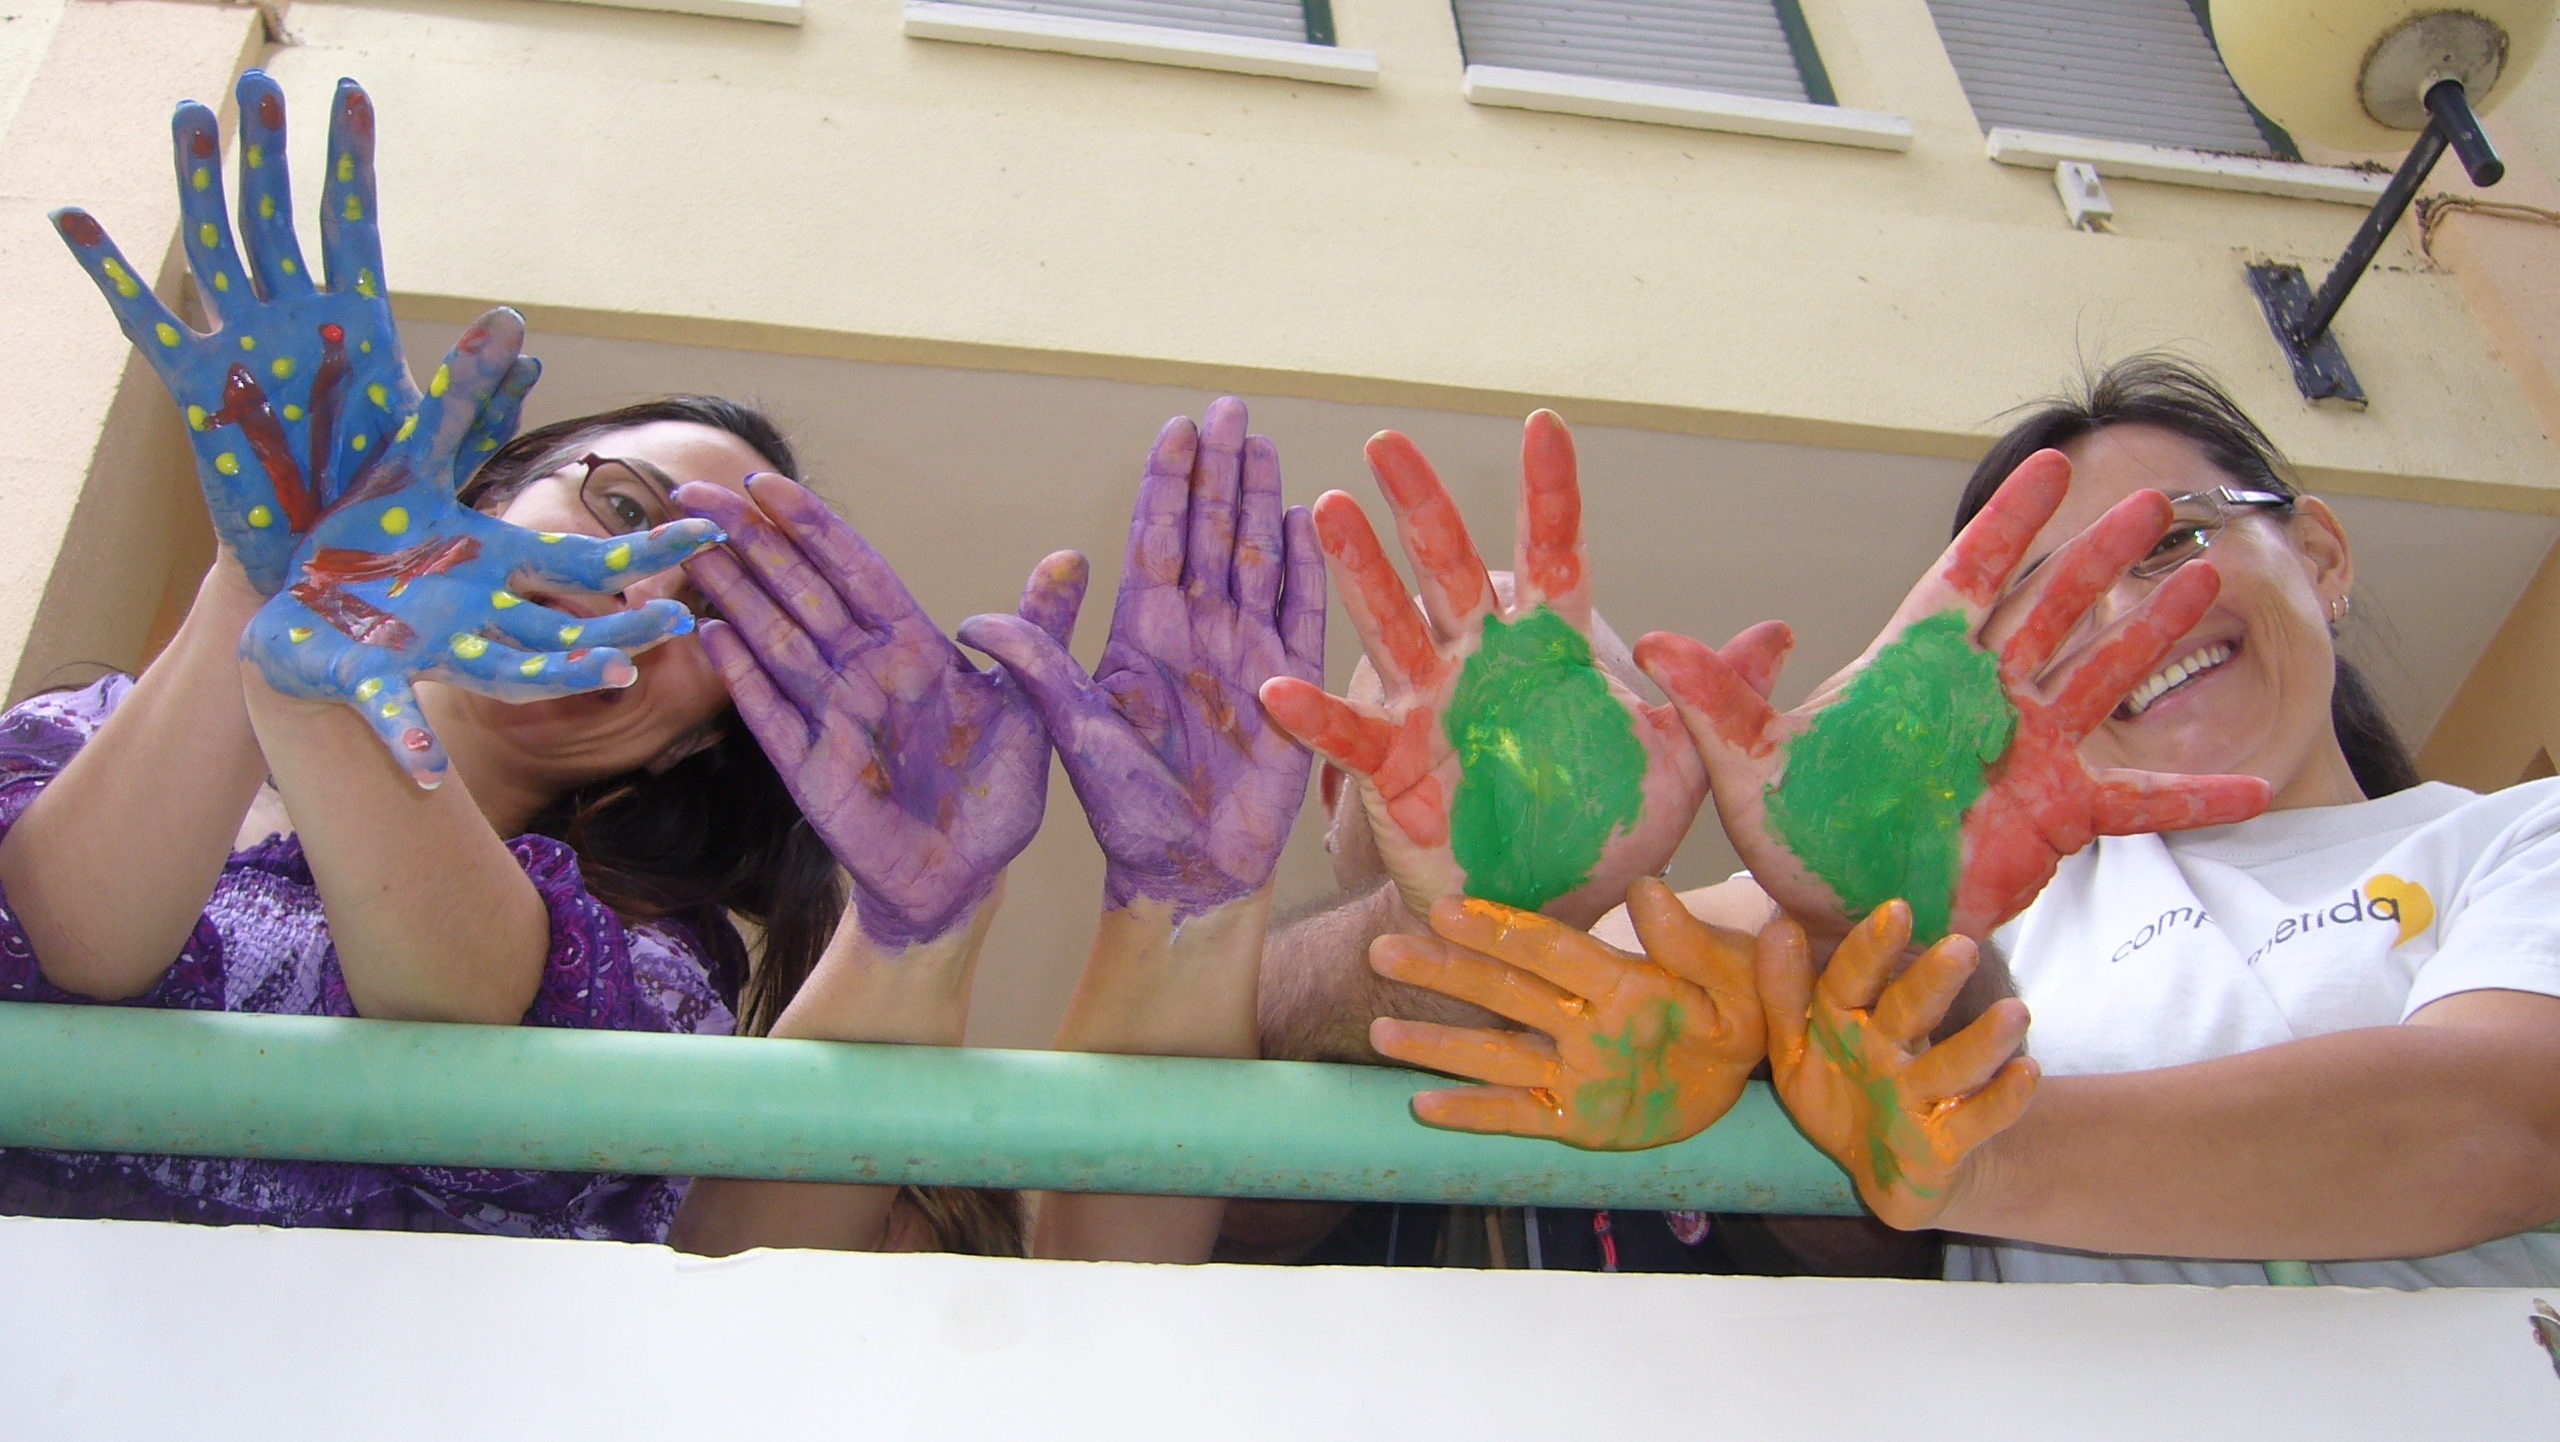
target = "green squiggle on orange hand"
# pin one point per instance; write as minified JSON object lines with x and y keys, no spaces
{"x":1885,"y":1116}
{"x":1874,"y":795}
{"x":1640,"y":1091}
{"x":1552,"y":766}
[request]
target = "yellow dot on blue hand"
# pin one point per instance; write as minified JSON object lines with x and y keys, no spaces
{"x":406,"y":427}
{"x":282,"y":368}
{"x":468,"y":646}
{"x":221,"y":282}
{"x":355,"y":208}
{"x":197,"y":419}
{"x":532,"y":666}
{"x":288,"y":266}
{"x":503,"y":599}
{"x":261,"y":517}
{"x":266,"y":207}
{"x":200,"y":178}
{"x":124,"y":282}
{"x":346,"y":166}
{"x":368,"y":688}
{"x":167,"y":333}
{"x":376,"y":394}
{"x":227,"y":463}
{"x":547,"y":537}
{"x":248,"y":342}
{"x":292,"y":412}
{"x":569,"y":634}
{"x":364,"y":287}
{"x":206,"y":235}
{"x":618,"y":558}
{"x":438,"y":383}
{"x":395,"y":520}
{"x":256,"y":156}
{"x":389,"y":710}
{"x":297,"y":634}
{"x":360,"y":441}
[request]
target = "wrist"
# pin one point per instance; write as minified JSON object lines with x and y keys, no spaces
{"x":1172,"y":983}
{"x":868,"y":989}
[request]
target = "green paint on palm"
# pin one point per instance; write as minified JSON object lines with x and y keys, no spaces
{"x":1884,"y":1104}
{"x":1552,"y":766}
{"x":1640,"y":1090}
{"x":1874,"y":795}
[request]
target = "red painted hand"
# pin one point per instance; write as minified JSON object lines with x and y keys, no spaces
{"x":1623,"y":1052}
{"x":1943,"y":765}
{"x":1851,"y":1060}
{"x":1503,"y":762}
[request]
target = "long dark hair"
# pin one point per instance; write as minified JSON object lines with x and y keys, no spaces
{"x":717,"y":835}
{"x":2157,"y":390}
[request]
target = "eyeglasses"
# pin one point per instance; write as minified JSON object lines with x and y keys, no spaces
{"x":2200,"y":516}
{"x":626,"y":496}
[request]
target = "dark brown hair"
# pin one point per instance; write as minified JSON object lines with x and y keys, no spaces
{"x":2157,"y":390}
{"x":718,"y":834}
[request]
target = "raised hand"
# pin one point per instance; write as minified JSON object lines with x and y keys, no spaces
{"x":1851,"y":1060}
{"x":926,"y":775}
{"x":1943,"y":766}
{"x":1190,"y":791}
{"x":1622,"y":1051}
{"x":395,"y":579}
{"x":297,"y":387}
{"x":1505,"y":763}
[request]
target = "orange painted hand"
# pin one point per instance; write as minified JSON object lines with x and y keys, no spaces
{"x":1851,"y":1060}
{"x":1503,"y":761}
{"x":1623,"y":1052}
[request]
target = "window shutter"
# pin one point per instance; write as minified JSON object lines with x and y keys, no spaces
{"x":1259,"y":19}
{"x":1735,"y":47}
{"x":2138,"y":70}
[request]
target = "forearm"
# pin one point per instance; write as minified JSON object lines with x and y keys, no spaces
{"x":1318,"y":994}
{"x":2399,"y":1141}
{"x":1155,"y":988}
{"x":154,"y":800}
{"x":861,"y":991}
{"x":432,"y":916}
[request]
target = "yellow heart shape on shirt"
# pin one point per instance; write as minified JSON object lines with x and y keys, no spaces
{"x":2409,"y":901}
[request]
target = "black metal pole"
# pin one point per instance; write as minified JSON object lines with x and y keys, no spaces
{"x":2377,"y":225}
{"x":2451,"y":107}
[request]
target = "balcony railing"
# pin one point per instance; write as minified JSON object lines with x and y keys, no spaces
{"x":94,"y":1078}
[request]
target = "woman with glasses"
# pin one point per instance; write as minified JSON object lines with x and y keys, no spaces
{"x":2288,"y":1000}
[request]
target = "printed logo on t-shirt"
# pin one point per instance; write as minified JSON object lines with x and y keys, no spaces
{"x":2404,"y":905}
{"x":2176,"y":918}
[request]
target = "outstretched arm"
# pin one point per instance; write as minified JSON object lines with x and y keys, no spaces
{"x":2392,"y":1141}
{"x":925,"y":775}
{"x":1190,"y":791}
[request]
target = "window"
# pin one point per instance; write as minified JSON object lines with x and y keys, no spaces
{"x":1308,"y":22}
{"x":2133,"y":70}
{"x":1758,"y":48}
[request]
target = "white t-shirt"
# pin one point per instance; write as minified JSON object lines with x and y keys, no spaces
{"x":2156,"y":951}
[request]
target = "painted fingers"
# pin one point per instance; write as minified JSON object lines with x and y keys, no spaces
{"x":1553,"y":566}
{"x":1851,"y":1060}
{"x":266,"y":192}
{"x":1456,"y":592}
{"x":350,"y":230}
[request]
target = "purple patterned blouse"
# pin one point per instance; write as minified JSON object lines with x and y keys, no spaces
{"x":263,"y":946}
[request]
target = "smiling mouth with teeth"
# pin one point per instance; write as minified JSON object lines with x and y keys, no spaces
{"x":2172,"y":676}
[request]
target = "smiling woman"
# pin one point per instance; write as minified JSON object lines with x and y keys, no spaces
{"x":2332,"y":1031}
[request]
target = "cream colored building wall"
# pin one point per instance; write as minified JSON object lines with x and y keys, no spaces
{"x":842,"y":188}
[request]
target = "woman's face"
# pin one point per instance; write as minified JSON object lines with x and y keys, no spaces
{"x":667,"y":713}
{"x":2252,"y":678}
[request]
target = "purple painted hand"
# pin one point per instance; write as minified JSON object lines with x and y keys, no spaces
{"x":1191,"y":790}
{"x":926,"y":775}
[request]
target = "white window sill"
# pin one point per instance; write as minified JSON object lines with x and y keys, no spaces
{"x":2124,"y":159}
{"x":1153,"y":45}
{"x":772,"y":12}
{"x":1678,"y":105}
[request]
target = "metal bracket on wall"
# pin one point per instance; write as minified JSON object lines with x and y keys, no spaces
{"x":2320,"y":369}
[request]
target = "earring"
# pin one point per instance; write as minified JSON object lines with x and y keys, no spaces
{"x":2338,"y":609}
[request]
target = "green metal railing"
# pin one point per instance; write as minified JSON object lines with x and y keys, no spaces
{"x":93,"y":1078}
